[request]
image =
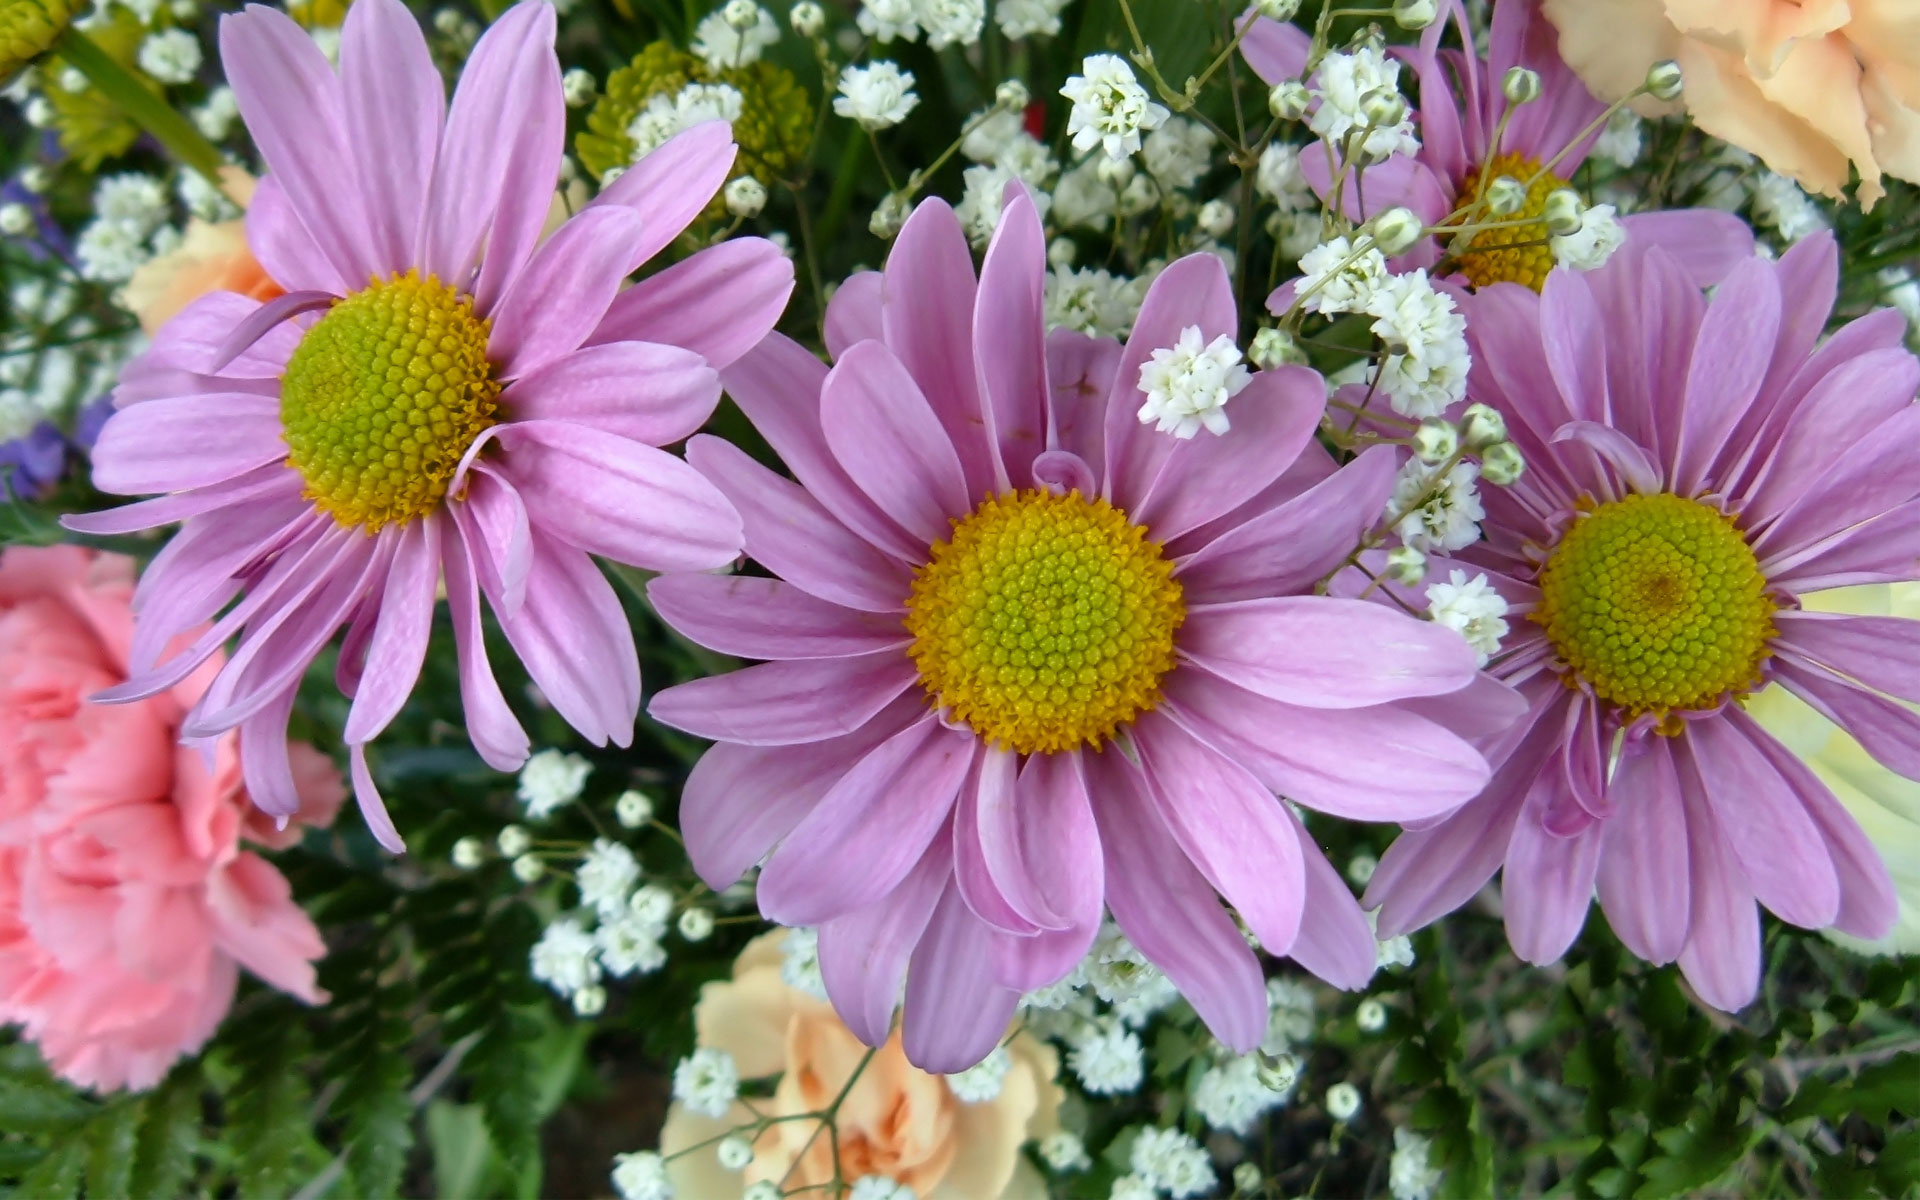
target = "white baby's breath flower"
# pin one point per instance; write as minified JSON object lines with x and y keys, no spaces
{"x":1471,"y":607}
{"x":217,"y":113}
{"x":1278,"y":178}
{"x":110,"y":251}
{"x":550,"y":779}
{"x":1108,"y":1061}
{"x":723,"y":42}
{"x":1589,"y":247}
{"x":1178,"y":153}
{"x":989,"y":133}
{"x":1620,"y":140}
{"x":877,"y":96}
{"x":1188,"y":385}
{"x":170,"y":56}
{"x":982,"y":1081}
{"x":606,"y":876}
{"x":983,"y":197}
{"x":1024,"y":18}
{"x":707,"y":1082}
{"x":734,"y":1153}
{"x":1063,"y":1151}
{"x":1110,"y":108}
{"x":1090,"y":301}
{"x":1343,"y":1101}
{"x":563,"y":958}
{"x":1448,"y":518}
{"x":880,"y":1187}
{"x":630,"y":944}
{"x":1779,"y":201}
{"x":1232,"y":1095}
{"x":633,"y":809}
{"x":1425,"y":372}
{"x":664,"y":117}
{"x":1337,"y":278}
{"x":1084,"y":200}
{"x":1409,"y":1174}
{"x":1342,"y":85}
{"x":951,"y":22}
{"x":133,"y":200}
{"x":885,"y":20}
{"x":641,"y":1176}
{"x":1172,"y":1162}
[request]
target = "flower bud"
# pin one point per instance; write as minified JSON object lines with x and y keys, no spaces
{"x":1061,"y":252}
{"x":1383,"y":107}
{"x":1563,"y":212}
{"x":1288,"y":101}
{"x":468,"y":853}
{"x":1664,"y":80}
{"x":807,"y":18}
{"x":633,"y":809}
{"x":1520,"y":85}
{"x":1506,"y":196}
{"x":1501,"y":464}
{"x":1406,"y":565}
{"x":1012,"y":96}
{"x":1371,"y":1016}
{"x":696,"y":924}
{"x":1274,"y":348}
{"x":1278,"y":10}
{"x":888,"y":217}
{"x":1216,"y":218}
{"x":1396,"y":230}
{"x":1436,"y":441}
{"x":527,"y":868}
{"x":1115,"y":172}
{"x":590,"y":1001}
{"x":1278,"y":1072}
{"x":1415,"y":14}
{"x":746,"y":196}
{"x":734,"y":1153}
{"x":514,"y":841}
{"x":1343,"y":1101}
{"x":577,"y":86}
{"x":764,"y":1190}
{"x":1246,"y":1178}
{"x":741,"y":14}
{"x":1481,"y":426}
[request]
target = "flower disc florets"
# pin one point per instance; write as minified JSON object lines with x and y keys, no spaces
{"x":382,"y":398}
{"x":1515,"y":253}
{"x":1045,"y":621}
{"x":1658,"y":603}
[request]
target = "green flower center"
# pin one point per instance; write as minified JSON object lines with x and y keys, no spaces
{"x":1658,"y":603}
{"x":1045,"y":622}
{"x":382,"y":398}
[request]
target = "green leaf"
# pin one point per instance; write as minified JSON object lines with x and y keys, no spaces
{"x":110,"y":1144}
{"x":267,"y":1109}
{"x":163,"y":1153}
{"x":56,"y":1176}
{"x":462,"y":1150}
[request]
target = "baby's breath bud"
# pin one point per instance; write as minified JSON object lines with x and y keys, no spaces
{"x":1216,"y":218}
{"x":1406,"y":565}
{"x":696,"y":924}
{"x":1563,"y":213}
{"x":1482,"y":426}
{"x":527,"y":868}
{"x":734,"y":1153}
{"x":1012,"y":96}
{"x":1436,"y":440}
{"x":1501,"y":464}
{"x":741,"y":14}
{"x":807,"y":18}
{"x":578,"y":86}
{"x":1396,"y":229}
{"x":1274,"y":348}
{"x":1520,"y":85}
{"x":1371,"y":1016}
{"x":1277,"y":1072}
{"x":15,"y":219}
{"x":764,"y":1190}
{"x":590,"y":1001}
{"x":1383,"y":107}
{"x":514,"y":841}
{"x":1343,"y":1101}
{"x":1664,"y":80}
{"x":888,"y":217}
{"x":1415,"y":14}
{"x":1288,"y":101}
{"x":633,"y":809}
{"x":1061,"y":252}
{"x":1278,"y":10}
{"x":1360,"y":867}
{"x":1116,"y":172}
{"x":35,"y":178}
{"x":746,"y":196}
{"x":1506,"y":196}
{"x":468,"y":853}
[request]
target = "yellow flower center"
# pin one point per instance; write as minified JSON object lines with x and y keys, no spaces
{"x":1045,"y":622}
{"x":382,"y":398}
{"x":1511,"y":253}
{"x":1658,"y":603}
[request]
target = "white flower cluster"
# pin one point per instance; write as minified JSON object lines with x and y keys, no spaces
{"x":1432,"y":510}
{"x":1345,"y":86}
{"x":1091,"y":301}
{"x":1409,"y":1175}
{"x":1231,"y":1095}
{"x":217,"y":113}
{"x":1178,"y":153}
{"x":1620,"y":140}
{"x":1063,"y":1151}
{"x":984,"y":1080}
{"x":1278,"y":177}
{"x":1780,"y":203}
{"x":707,"y":1082}
{"x":985,"y":195}
{"x":1425,"y":371}
{"x":1110,"y":108}
{"x":880,"y":1187}
{"x":1025,"y":18}
{"x":1589,"y":247}
{"x":170,"y":55}
{"x":800,"y":962}
{"x":550,"y":779}
{"x":641,"y":1176}
{"x":665,"y":116}
{"x":1471,"y":607}
{"x":128,"y":210}
{"x":878,"y":96}
{"x":1171,"y":1163}
{"x":1188,"y":384}
{"x":734,"y":35}
{"x":945,"y":22}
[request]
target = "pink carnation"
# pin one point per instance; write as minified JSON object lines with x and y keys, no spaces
{"x":1033,"y":660}
{"x":1693,"y":470}
{"x":127,"y":906}
{"x":441,"y":395}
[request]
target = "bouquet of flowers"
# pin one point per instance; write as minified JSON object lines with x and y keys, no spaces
{"x":960,"y":599}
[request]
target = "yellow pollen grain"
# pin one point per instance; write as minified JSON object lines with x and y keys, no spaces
{"x":1658,"y":603}
{"x":382,"y":398}
{"x":1513,"y":253}
{"x":1045,"y":622}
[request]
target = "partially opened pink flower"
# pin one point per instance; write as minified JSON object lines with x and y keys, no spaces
{"x":1693,"y":469}
{"x":1033,"y":659}
{"x":440,"y":394}
{"x":1470,"y":134}
{"x":127,"y":906}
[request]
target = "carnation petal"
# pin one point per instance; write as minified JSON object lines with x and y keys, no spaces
{"x":1322,"y":652}
{"x":751,"y":617}
{"x":784,"y":703}
{"x":718,"y":303}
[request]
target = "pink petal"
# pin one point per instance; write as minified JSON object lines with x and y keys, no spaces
{"x":1079,"y":376}
{"x":1170,"y":912}
{"x":1778,"y":846}
{"x":1881,"y":652}
{"x":986,"y":850}
{"x":1575,"y":340}
{"x":574,"y":639}
{"x":373,"y":810}
{"x":620,"y":499}
{"x":1291,"y":547}
{"x":1880,"y":550}
{"x":741,"y":800}
{"x":955,"y":1012}
{"x":718,"y":303}
{"x":869,"y":829}
{"x":282,"y":245}
{"x":192,"y":442}
{"x":199,"y":570}
{"x":399,"y":645}
{"x":264,"y":760}
{"x":1232,"y":828}
{"x":1888,"y":731}
{"x":751,"y":617}
{"x":672,"y":185}
{"x":1547,"y":885}
{"x":1336,"y":941}
{"x":1635,"y":471}
{"x":642,"y":391}
{"x":1644,"y":877}
{"x":528,"y":195}
{"x":395,"y":106}
{"x":926,"y":316}
{"x":1059,"y":839}
{"x":502,"y":120}
{"x":273,"y":481}
{"x":1722,"y":955}
{"x":853,"y":315}
{"x":1828,"y":423}
{"x":1706,"y":244}
{"x":1323,"y":652}
{"x":787,"y":532}
{"x":1729,"y":361}
{"x":502,"y":536}
{"x":1010,"y":329}
{"x":1875,"y":478}
{"x":564,"y":291}
{"x":863,"y":955}
{"x":890,"y":443}
{"x":1276,"y":50}
{"x":783,"y":703}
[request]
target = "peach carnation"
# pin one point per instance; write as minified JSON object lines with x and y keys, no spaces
{"x":1808,"y":85}
{"x":213,"y":256}
{"x":127,"y":906}
{"x":897,"y":1121}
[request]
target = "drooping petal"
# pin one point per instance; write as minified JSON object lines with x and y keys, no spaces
{"x":574,"y":638}
{"x":1888,"y":731}
{"x":399,"y":645}
{"x":1779,"y":848}
{"x":864,"y":954}
{"x":1644,"y":875}
{"x":1722,"y":956}
{"x":956,"y":1012}
{"x":987,"y":866}
{"x":373,"y":810}
{"x":491,"y":726}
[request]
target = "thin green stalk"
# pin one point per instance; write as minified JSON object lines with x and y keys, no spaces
{"x":150,"y":112}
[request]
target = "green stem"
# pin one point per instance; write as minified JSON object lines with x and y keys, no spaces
{"x":150,"y":112}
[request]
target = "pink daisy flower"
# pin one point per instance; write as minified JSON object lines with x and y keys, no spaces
{"x":1693,"y":470}
{"x":1032,"y":659}
{"x":1461,"y":139}
{"x":440,"y":395}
